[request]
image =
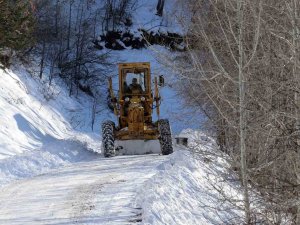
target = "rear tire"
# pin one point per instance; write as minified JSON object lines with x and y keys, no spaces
{"x":165,"y":137}
{"x":108,"y":140}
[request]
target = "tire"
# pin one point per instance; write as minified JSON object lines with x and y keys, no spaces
{"x":165,"y":137}
{"x":108,"y":140}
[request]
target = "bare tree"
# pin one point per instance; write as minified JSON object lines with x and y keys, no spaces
{"x":116,"y":13}
{"x":242,"y":67}
{"x":160,"y":7}
{"x":242,"y":108}
{"x":65,"y":43}
{"x":293,"y":8}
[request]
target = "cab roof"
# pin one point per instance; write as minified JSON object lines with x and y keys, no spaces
{"x":134,"y":65}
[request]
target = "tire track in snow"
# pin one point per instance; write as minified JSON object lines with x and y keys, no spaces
{"x":82,"y":199}
{"x":96,"y":192}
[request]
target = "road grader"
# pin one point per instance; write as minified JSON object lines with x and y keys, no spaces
{"x":134,"y":107}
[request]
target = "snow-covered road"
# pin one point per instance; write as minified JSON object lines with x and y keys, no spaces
{"x":97,"y":192}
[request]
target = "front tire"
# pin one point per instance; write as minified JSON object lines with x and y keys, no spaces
{"x":165,"y":137}
{"x":108,"y":140}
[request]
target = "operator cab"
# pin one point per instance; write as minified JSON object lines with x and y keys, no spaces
{"x":135,"y":82}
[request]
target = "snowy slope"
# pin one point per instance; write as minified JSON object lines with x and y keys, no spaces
{"x":192,"y":187}
{"x":25,"y":122}
{"x":37,"y":126}
{"x":145,"y":17}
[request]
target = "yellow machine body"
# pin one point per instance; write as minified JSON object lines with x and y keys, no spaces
{"x":134,"y":108}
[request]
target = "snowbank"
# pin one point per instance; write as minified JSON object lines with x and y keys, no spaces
{"x":35,"y":132}
{"x":191,"y":189}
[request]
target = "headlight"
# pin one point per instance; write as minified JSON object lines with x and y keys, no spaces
{"x":143,"y":99}
{"x":127,"y":99}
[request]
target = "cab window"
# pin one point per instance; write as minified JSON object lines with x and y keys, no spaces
{"x":134,"y":77}
{"x":140,"y":77}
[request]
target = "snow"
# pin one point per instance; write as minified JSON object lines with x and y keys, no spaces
{"x":148,"y":189}
{"x":35,"y":134}
{"x":137,"y":147}
{"x":145,"y":17}
{"x":189,"y":189}
{"x":95,"y":192}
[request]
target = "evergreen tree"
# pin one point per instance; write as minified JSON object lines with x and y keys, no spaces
{"x":16,"y":24}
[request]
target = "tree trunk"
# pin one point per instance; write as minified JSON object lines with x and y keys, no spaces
{"x":296,"y":78}
{"x":160,"y":7}
{"x":57,"y":12}
{"x":242,"y":119}
{"x":42,"y":59}
{"x":69,"y":26}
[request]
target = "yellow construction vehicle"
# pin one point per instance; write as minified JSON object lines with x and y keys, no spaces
{"x":133,"y":107}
